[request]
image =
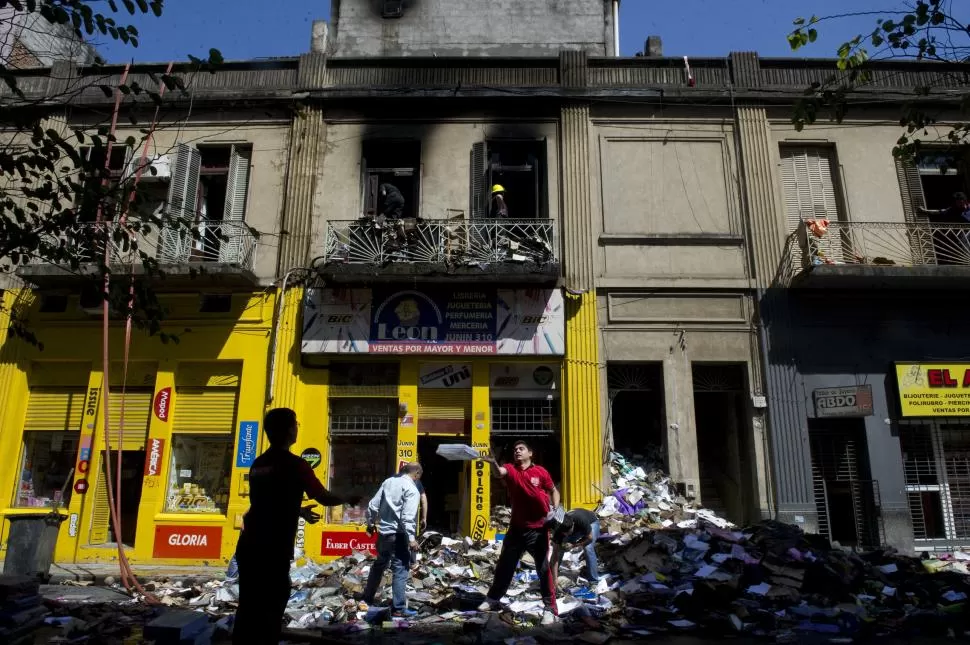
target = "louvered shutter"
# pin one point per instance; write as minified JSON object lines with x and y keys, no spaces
{"x":54,"y":408}
{"x":479,"y":189}
{"x":205,"y":410}
{"x":911,"y":192}
{"x":183,"y":189}
{"x":100,"y":511}
{"x":138,"y":410}
{"x":237,"y":191}
{"x":809,"y":185}
{"x":442,"y":411}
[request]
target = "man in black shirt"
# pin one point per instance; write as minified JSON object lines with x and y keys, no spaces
{"x":579,"y":530}
{"x":277,"y":481}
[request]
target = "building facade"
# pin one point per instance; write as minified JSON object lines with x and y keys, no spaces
{"x":662,"y":285}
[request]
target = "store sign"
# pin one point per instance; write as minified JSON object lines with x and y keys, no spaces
{"x":855,"y":401}
{"x":163,"y":403}
{"x":341,"y":543}
{"x":445,"y":377}
{"x":188,"y":542}
{"x":933,"y":389}
{"x":153,"y":456}
{"x":312,"y":456}
{"x":246,"y":447}
{"x":72,"y":525}
{"x":524,"y":377}
{"x":442,"y":321}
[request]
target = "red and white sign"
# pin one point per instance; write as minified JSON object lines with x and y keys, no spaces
{"x":188,"y":542}
{"x":163,"y":403}
{"x":341,"y":543}
{"x":153,"y":456}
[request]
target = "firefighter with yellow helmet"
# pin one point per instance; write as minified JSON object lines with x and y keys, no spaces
{"x":499,"y":209}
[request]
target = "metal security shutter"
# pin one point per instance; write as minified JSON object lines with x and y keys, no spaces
{"x":936,"y":465}
{"x":478,"y":207}
{"x":807,"y":175}
{"x":443,"y":411}
{"x":205,"y":409}
{"x":53,"y":408}
{"x":100,"y":511}
{"x":183,"y":190}
{"x":525,"y":417}
{"x":138,"y":410}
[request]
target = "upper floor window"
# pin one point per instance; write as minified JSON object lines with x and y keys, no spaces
{"x":210,"y":183}
{"x":810,"y":184}
{"x":92,"y":197}
{"x":515,"y":169}
{"x":393,"y":163}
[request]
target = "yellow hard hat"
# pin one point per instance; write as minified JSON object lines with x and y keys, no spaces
{"x":498,"y":188}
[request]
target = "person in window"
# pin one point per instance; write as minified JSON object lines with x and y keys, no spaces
{"x":278,"y":480}
{"x":499,"y":209}
{"x":392,"y":514}
{"x":390,"y":206}
{"x":579,"y":530}
{"x":951,"y":246}
{"x":531,"y":490}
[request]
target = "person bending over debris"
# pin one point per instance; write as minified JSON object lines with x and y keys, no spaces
{"x":530,"y":488}
{"x":277,"y":481}
{"x":579,"y":530}
{"x":392,"y":513}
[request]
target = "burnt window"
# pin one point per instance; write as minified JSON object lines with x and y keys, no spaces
{"x":519,"y":167}
{"x":96,"y":193}
{"x":395,"y":162}
{"x":940,"y":177}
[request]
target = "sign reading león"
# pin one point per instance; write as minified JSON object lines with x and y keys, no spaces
{"x":933,"y":389}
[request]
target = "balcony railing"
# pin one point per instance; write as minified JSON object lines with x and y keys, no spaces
{"x":229,"y":243}
{"x":486,"y":244}
{"x":874,"y":244}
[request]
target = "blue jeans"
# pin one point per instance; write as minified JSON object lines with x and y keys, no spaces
{"x":395,"y":551}
{"x":592,"y":564}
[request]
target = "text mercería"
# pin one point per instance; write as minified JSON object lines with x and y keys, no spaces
{"x":942,"y":378}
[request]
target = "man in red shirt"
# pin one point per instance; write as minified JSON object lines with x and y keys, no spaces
{"x":277,"y":481}
{"x":530,"y":491}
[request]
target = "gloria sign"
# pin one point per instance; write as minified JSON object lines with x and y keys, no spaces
{"x":189,"y":542}
{"x":443,"y":321}
{"x":933,"y":389}
{"x":854,"y":401}
{"x":341,"y":543}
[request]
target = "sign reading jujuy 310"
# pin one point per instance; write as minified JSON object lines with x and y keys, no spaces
{"x":933,"y":389}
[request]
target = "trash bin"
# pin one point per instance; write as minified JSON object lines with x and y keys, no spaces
{"x":30,"y":544}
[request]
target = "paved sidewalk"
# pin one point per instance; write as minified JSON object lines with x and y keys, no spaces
{"x":96,"y":573}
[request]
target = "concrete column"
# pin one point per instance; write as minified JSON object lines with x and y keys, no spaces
{"x":306,"y":136}
{"x":681,"y":426}
{"x":582,"y":434}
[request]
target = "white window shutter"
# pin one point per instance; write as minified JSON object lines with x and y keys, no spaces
{"x":237,"y":191}
{"x":808,"y":184}
{"x":183,"y":190}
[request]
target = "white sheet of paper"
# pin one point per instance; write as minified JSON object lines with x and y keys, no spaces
{"x":457,"y":452}
{"x":705,"y":571}
{"x":888,"y":568}
{"x":760,"y":590}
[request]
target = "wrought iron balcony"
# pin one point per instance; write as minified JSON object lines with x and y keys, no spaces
{"x":221,"y":248}
{"x":832,"y":253}
{"x":515,"y":249}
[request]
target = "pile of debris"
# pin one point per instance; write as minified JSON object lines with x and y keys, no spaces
{"x":667,"y":566}
{"x":21,"y":607}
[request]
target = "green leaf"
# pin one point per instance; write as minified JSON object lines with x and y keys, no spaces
{"x":130,"y":6}
{"x":812,"y":35}
{"x":798,"y":21}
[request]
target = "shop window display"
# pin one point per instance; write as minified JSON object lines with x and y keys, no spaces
{"x":357,"y":467}
{"x":199,"y":474}
{"x":47,"y":460}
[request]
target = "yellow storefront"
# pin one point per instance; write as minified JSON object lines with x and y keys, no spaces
{"x":192,"y":414}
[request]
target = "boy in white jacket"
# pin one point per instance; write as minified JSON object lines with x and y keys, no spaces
{"x":392,"y":513}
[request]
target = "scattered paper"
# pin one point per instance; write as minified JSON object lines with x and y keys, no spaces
{"x":888,"y":591}
{"x":889,"y":568}
{"x":457,"y":452}
{"x":759,"y":590}
{"x":705,"y":571}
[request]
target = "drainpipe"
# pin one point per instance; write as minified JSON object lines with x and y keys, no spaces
{"x":616,"y":27}
{"x":270,"y":393}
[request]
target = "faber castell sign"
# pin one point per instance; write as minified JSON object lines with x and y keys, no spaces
{"x":933,"y":389}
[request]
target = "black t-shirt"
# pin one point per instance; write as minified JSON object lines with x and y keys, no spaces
{"x":277,"y":481}
{"x":582,"y":524}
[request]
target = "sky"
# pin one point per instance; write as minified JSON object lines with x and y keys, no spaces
{"x":246,"y":29}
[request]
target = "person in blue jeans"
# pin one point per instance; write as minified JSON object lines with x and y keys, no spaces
{"x":392,"y":513}
{"x":580,"y":529}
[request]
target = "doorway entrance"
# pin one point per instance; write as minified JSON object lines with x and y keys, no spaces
{"x":725,"y":445}
{"x":445,"y":483}
{"x":132,"y":466}
{"x":636,"y":411}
